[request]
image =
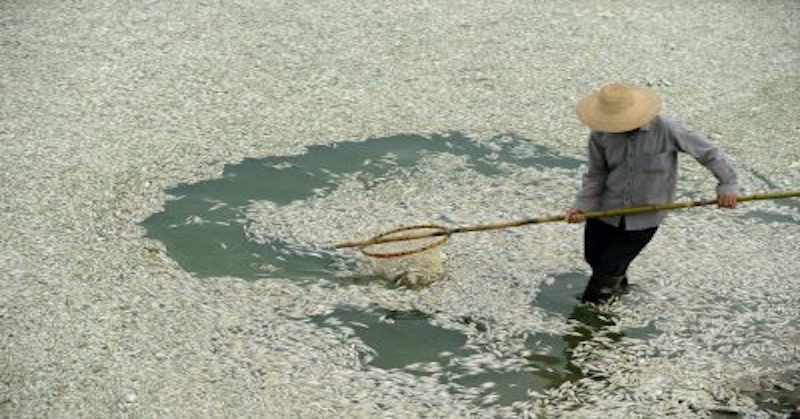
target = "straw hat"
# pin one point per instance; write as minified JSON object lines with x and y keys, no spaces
{"x":618,"y":108}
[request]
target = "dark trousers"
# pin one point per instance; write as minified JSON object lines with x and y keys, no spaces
{"x":609,"y":250}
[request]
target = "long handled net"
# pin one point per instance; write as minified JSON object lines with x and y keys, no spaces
{"x":411,"y":254}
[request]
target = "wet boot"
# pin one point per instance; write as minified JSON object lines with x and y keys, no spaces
{"x":601,"y":287}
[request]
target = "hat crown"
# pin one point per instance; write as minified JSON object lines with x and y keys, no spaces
{"x":618,"y":107}
{"x":615,"y":98}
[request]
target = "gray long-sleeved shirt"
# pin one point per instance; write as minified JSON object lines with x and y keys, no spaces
{"x":641,"y":168}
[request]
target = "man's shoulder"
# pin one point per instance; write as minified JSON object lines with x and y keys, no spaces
{"x":667,"y":122}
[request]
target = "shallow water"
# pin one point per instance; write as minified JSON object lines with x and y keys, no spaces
{"x":276,"y":217}
{"x":202,"y":226}
{"x":412,"y":342}
{"x":203,"y":229}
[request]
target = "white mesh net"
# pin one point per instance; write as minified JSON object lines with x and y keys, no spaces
{"x":412,"y":263}
{"x":416,"y":270}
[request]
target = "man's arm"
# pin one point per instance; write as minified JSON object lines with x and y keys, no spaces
{"x":707,"y":154}
{"x":594,"y":180}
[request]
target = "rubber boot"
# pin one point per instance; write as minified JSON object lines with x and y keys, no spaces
{"x":601,"y":287}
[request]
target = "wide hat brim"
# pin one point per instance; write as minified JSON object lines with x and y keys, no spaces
{"x":618,"y":108}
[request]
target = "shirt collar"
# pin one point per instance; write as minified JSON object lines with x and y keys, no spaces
{"x":645,"y":127}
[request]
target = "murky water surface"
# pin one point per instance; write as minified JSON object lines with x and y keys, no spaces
{"x":276,"y":217}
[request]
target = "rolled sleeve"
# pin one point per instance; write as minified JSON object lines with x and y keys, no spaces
{"x":707,"y":154}
{"x":594,"y":179}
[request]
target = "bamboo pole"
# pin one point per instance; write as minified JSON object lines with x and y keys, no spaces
{"x":562,"y":217}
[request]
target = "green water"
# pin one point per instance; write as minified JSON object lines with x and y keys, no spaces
{"x":203,"y":229}
{"x":218,"y":245}
{"x":403,"y":339}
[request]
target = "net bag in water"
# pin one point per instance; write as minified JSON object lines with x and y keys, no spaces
{"x":402,"y":259}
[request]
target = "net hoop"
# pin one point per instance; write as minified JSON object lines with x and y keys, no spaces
{"x":399,"y":253}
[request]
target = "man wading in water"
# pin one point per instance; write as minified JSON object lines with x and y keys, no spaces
{"x":633,"y":161}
